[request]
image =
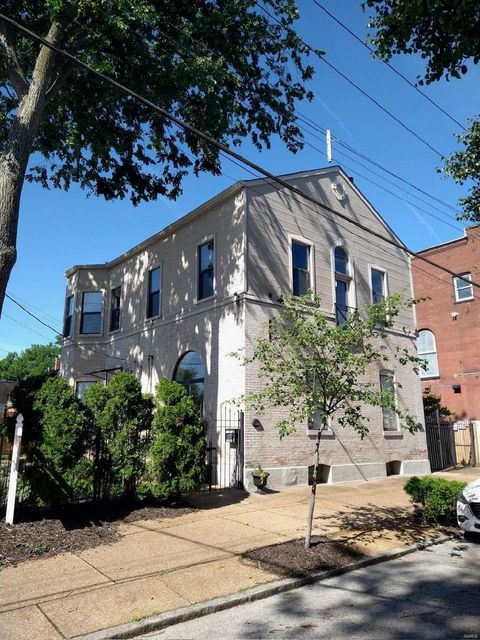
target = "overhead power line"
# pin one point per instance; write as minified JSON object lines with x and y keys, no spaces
{"x":352,"y":83}
{"x":226,"y":150}
{"x":45,"y":324}
{"x":388,"y":64}
{"x":313,"y":125}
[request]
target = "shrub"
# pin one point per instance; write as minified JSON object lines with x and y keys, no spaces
{"x":58,"y":471}
{"x":176,"y":458}
{"x":122,"y":416}
{"x":436,"y":497}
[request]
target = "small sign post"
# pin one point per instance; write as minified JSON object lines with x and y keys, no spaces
{"x":12,"y":484}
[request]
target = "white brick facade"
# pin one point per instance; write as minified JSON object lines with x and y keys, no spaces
{"x":252,"y":225}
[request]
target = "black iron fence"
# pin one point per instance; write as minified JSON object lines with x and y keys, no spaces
{"x":224,"y":457}
{"x":440,"y":441}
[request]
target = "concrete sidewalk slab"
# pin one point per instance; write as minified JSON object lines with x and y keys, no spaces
{"x":224,"y":577}
{"x":158,"y":566}
{"x":146,"y":553}
{"x":37,"y":579}
{"x":28,"y":623}
{"x":112,"y":605}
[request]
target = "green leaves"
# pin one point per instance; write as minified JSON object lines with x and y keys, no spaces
{"x":310,"y":366}
{"x":464,"y":166}
{"x":223,"y":67}
{"x":34,"y":361}
{"x":176,"y":458}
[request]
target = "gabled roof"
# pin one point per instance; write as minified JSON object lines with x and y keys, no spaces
{"x":230,"y":191}
{"x":336,"y":168}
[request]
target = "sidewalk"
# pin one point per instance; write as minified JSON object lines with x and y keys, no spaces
{"x":161,"y":565}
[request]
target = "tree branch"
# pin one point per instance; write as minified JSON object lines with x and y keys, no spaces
{"x":15,"y":74}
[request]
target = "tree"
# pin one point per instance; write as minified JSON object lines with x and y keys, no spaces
{"x":434,"y":403}
{"x":447,"y":35}
{"x":176,"y":458}
{"x":60,"y":472}
{"x":121,"y":415}
{"x":221,"y":66}
{"x":34,"y":361}
{"x":313,"y":368}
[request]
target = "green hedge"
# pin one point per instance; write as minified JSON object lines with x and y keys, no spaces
{"x":436,"y":498}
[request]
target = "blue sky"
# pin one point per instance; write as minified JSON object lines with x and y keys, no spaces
{"x":59,"y":229}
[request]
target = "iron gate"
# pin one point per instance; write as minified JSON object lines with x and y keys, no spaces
{"x":440,"y":441}
{"x":224,"y":457}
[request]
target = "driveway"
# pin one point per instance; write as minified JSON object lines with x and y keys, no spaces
{"x":433,"y":593}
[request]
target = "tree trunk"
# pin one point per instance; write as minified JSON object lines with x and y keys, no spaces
{"x":311,"y":506}
{"x":14,"y":160}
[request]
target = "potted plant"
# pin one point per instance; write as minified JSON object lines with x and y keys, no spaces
{"x":260,"y":476}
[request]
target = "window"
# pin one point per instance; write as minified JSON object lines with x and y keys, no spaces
{"x":67,"y":324}
{"x":342,"y":285}
{"x":301,"y":268}
{"x":205,"y":270}
{"x":154,"y":283}
{"x":81,"y":388}
{"x":190,"y":372}
{"x":115,"y":308}
{"x":463,"y":287}
{"x":91,"y":321}
{"x":378,"y":286}
{"x":427,"y":350}
{"x":387,"y":388}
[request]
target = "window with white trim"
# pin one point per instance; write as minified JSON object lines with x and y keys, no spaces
{"x":463,"y":287}
{"x":378,"y":284}
{"x":343,"y":280}
{"x":301,"y":278}
{"x":427,"y":350}
{"x":387,"y":388}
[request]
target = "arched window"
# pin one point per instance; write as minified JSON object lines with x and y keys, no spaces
{"x":190,"y":372}
{"x":342,"y":285}
{"x":427,"y":350}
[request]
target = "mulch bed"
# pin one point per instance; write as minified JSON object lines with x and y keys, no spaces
{"x":75,"y":529}
{"x":291,"y":559}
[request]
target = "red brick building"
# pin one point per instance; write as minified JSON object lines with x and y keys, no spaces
{"x":448,"y":323}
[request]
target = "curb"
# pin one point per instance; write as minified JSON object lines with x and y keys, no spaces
{"x":155,"y":623}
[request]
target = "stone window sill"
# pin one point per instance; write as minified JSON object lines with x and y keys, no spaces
{"x":328,"y":433}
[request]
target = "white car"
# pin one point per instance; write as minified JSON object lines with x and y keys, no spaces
{"x":468,"y":508}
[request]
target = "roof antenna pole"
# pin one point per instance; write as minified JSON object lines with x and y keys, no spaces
{"x":329,"y":145}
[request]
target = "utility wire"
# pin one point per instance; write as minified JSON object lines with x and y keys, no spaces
{"x":195,"y":54}
{"x":226,"y":150}
{"x":303,"y":118}
{"x":353,"y":84}
{"x":45,"y":324}
{"x":25,"y":326}
{"x":388,"y":64}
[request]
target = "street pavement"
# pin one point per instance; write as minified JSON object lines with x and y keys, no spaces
{"x":433,"y":593}
{"x":160,"y":566}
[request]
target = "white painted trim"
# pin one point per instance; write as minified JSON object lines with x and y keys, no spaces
{"x":352,"y":289}
{"x":374,"y":267}
{"x":311,"y":260}
{"x":464,"y":277}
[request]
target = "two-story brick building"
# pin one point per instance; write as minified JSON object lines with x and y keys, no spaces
{"x":448,"y":321}
{"x":180,"y":303}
